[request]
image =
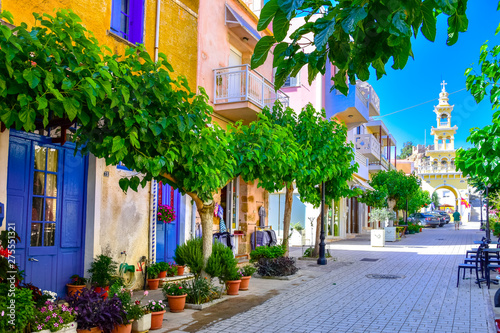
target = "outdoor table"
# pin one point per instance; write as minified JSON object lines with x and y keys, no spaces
{"x":487,"y":262}
{"x":481,"y":242}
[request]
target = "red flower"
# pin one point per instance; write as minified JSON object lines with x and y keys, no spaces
{"x":33,"y":63}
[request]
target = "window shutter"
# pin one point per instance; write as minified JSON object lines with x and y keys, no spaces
{"x":115,"y":16}
{"x":136,"y":21}
{"x":293,"y":81}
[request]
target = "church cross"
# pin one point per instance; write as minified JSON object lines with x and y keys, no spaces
{"x":443,"y":84}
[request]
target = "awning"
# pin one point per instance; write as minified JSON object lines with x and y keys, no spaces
{"x":362,"y":184}
{"x":241,"y":27}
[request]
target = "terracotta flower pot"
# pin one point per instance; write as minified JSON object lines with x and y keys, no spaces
{"x":126,"y":328}
{"x":92,"y":330}
{"x":245,"y":282}
{"x":233,"y":287}
{"x":153,"y":284}
{"x":180,"y":270}
{"x":157,"y":320}
{"x":162,"y":274}
{"x":73,"y":288}
{"x":100,"y":290}
{"x":176,"y":303}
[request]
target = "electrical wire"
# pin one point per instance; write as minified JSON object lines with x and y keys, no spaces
{"x":414,"y":106}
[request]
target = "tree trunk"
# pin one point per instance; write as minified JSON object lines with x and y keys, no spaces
{"x":318,"y":233}
{"x":207,"y":222}
{"x":287,"y":216}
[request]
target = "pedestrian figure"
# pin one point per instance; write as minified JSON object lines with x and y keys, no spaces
{"x":456,"y":219}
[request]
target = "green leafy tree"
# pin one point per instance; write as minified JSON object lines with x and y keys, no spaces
{"x":374,"y":198}
{"x":399,"y":186}
{"x":407,"y":150}
{"x":352,"y":35}
{"x":127,"y":108}
{"x":316,"y":151}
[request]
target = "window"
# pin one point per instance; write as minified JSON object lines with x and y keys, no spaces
{"x":358,"y":130}
{"x":292,"y":81}
{"x":127,"y":19}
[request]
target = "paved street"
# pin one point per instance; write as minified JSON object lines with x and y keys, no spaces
{"x":343,"y":299}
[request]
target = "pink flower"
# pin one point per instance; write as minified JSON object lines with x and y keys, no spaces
{"x":160,"y":301}
{"x":54,"y":315}
{"x":51,"y":307}
{"x":48,"y":318}
{"x":61,"y":321}
{"x":33,"y":63}
{"x":146,"y":293}
{"x":180,"y":287}
{"x":39,"y":327}
{"x":56,"y":325}
{"x":3,"y":313}
{"x":154,"y":303}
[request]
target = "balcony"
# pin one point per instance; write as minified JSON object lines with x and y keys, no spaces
{"x":354,"y":109}
{"x":380,"y":165}
{"x":241,"y":93}
{"x":368,"y":145}
{"x":449,"y":168}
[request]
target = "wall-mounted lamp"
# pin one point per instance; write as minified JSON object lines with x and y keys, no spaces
{"x":350,"y":116}
{"x":245,"y":39}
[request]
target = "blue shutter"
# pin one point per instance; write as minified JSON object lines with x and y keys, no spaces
{"x":115,"y":16}
{"x":136,"y":21}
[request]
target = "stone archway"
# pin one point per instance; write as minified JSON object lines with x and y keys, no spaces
{"x":453,"y":190}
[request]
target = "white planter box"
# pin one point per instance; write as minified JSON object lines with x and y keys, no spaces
{"x":377,"y":237}
{"x":390,"y":234}
{"x":69,"y":328}
{"x":143,"y":324}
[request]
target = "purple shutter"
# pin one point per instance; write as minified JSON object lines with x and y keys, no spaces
{"x":136,"y":21}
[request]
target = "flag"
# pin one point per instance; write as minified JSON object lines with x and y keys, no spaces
{"x":465,"y":203}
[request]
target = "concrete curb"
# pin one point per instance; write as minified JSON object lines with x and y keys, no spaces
{"x":205,"y":305}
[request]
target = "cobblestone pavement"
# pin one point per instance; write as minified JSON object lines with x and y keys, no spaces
{"x":344,"y":299}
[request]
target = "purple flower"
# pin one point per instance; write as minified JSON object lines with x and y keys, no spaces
{"x":56,"y":325}
{"x":51,"y":307}
{"x":48,"y":318}
{"x":3,"y":313}
{"x":39,"y":327}
{"x":54,"y":315}
{"x":61,"y":321}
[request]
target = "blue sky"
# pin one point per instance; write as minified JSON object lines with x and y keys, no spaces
{"x":420,"y":80}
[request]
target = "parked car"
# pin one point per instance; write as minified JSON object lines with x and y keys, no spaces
{"x":444,"y":214}
{"x":441,"y":219}
{"x":425,"y":219}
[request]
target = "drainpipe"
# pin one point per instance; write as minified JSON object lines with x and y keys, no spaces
{"x":193,"y":219}
{"x":157,"y":31}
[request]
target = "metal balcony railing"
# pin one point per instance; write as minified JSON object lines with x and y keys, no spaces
{"x":240,"y":83}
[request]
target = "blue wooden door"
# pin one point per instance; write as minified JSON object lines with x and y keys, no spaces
{"x":167,"y":234}
{"x":46,"y":201}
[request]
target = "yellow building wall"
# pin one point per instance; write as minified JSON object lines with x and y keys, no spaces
{"x":123,"y":219}
{"x":178,"y":26}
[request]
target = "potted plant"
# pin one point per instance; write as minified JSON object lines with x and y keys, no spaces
{"x":163,"y":268}
{"x":153,"y":280}
{"x":94,"y":312}
{"x":191,"y":255}
{"x":142,"y":323}
{"x":157,"y":309}
{"x":246,"y":273}
{"x":54,"y":318}
{"x":223,"y":265}
{"x":77,"y":283}
{"x":24,"y":312}
{"x":179,"y":257}
{"x":101,"y":273}
{"x":176,"y":296}
{"x":132,"y":310}
{"x":166,"y":214}
{"x":172,"y":269}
